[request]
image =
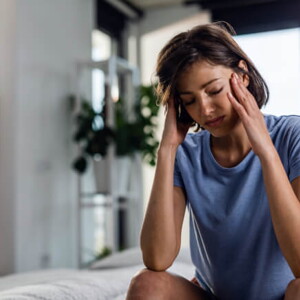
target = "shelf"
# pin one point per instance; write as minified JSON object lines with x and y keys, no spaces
{"x":119,"y":206}
{"x":93,"y":194}
{"x":97,"y":194}
{"x":118,"y":211}
{"x":116,"y":65}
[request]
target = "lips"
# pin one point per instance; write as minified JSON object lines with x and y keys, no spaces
{"x":214,"y":122}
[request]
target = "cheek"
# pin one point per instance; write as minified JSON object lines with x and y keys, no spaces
{"x":222,"y":99}
{"x":227,"y":89}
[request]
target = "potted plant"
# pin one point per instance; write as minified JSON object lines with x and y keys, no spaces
{"x":91,"y":134}
{"x":94,"y":137}
{"x":129,"y":135}
{"x":138,"y":134}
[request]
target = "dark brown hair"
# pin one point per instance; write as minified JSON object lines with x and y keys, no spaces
{"x":212,"y":43}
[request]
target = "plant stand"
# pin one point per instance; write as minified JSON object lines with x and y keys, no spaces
{"x":119,"y":191}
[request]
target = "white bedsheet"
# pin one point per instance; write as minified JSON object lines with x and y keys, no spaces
{"x":67,"y":284}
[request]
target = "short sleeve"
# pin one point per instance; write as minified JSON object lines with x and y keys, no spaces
{"x":294,"y":150}
{"x":177,"y":174}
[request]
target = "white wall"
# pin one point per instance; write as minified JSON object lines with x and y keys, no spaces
{"x":38,"y":187}
{"x":7,"y":133}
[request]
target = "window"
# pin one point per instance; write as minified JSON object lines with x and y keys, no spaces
{"x":276,"y":54}
{"x":101,"y":50}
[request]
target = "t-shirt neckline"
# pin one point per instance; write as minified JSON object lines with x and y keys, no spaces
{"x":214,"y":162}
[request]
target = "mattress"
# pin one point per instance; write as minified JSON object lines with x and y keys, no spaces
{"x":106,"y":279}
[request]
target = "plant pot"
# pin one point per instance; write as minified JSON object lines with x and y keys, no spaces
{"x":102,"y":175}
{"x":120,"y":167}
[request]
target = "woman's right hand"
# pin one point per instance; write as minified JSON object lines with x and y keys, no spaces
{"x":174,"y":132}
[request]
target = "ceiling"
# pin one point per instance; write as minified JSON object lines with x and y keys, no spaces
{"x":246,"y":16}
{"x":210,"y":4}
{"x":148,"y":4}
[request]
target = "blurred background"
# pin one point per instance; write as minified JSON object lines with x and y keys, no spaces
{"x":79,"y":126}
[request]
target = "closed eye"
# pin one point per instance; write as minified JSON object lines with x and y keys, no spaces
{"x":186,"y":103}
{"x":189,"y":102}
{"x":216,"y":92}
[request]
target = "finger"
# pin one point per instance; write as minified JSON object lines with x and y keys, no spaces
{"x":166,"y":108}
{"x":236,"y":84}
{"x":240,"y":92}
{"x":171,"y":102}
{"x":247,"y":98}
{"x":250,"y":98}
{"x":239,"y":108}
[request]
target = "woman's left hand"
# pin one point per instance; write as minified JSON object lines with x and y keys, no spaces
{"x":253,"y":120}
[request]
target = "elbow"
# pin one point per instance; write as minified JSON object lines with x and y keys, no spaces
{"x":158,"y":261}
{"x":156,"y":265}
{"x":158,"y":258}
{"x":296,"y":272}
{"x":295,"y":267}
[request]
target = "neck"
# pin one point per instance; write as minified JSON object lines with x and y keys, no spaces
{"x":231,"y":149}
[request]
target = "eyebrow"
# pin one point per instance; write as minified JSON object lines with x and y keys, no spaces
{"x":201,"y":87}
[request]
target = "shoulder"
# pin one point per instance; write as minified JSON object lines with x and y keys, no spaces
{"x":194,"y":139}
{"x":285,"y":133}
{"x":287,"y":123}
{"x":192,"y":145}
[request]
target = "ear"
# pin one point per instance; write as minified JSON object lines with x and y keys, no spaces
{"x":245,"y":78}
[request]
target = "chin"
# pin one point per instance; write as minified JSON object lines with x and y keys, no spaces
{"x":218,"y":134}
{"x":220,"y":131}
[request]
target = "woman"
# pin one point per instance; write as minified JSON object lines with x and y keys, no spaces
{"x":239,"y":176}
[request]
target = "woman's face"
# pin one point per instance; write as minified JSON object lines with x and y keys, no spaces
{"x":203,"y":91}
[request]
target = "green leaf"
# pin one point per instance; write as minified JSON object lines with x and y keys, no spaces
{"x":128,"y":136}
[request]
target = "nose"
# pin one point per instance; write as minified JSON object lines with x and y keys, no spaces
{"x":206,"y":106}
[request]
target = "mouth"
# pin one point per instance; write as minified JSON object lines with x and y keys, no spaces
{"x":214,"y":122}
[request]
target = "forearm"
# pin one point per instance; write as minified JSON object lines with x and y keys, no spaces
{"x":158,"y":236}
{"x":284,"y":207}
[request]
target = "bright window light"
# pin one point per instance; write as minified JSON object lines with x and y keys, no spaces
{"x":101,"y":45}
{"x":101,"y":50}
{"x":276,"y":54}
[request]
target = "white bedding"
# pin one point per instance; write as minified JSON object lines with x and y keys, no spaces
{"x":109,"y":279}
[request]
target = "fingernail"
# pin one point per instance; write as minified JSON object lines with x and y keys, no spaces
{"x":238,"y":79}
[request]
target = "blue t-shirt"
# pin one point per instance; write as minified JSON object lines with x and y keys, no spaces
{"x":232,"y":240}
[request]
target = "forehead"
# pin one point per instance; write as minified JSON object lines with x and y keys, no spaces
{"x":200,"y":73}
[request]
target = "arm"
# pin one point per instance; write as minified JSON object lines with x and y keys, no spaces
{"x":282,"y":195}
{"x":161,"y":231}
{"x":285,"y":208}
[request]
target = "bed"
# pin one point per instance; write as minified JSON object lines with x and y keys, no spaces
{"x":106,"y":279}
